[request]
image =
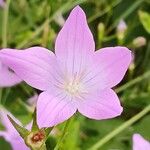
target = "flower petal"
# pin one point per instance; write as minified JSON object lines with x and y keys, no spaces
{"x":18,"y":144}
{"x":109,"y":66}
{"x":102,"y":105}
{"x":33,"y":100}
{"x":16,"y":141}
{"x":5,"y":121}
{"x":33,"y":65}
{"x":3,"y":134}
{"x":75,"y":42}
{"x":52,"y":110}
{"x":139,"y":143}
{"x":7,"y":77}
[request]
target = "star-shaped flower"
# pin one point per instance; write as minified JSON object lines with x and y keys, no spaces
{"x":76,"y":77}
{"x":139,"y":143}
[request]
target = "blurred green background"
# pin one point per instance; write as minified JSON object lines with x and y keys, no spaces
{"x":36,"y":22}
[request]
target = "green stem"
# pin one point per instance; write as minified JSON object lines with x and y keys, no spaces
{"x":4,"y":34}
{"x":120,"y":129}
{"x":106,"y":10}
{"x":1,"y":91}
{"x":134,"y":81}
{"x":63,"y":135}
{"x":5,"y":24}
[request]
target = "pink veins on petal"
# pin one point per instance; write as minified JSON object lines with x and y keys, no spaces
{"x":139,"y":143}
{"x":76,"y":77}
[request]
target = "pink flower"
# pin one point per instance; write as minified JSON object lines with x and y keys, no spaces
{"x":10,"y":134}
{"x":139,"y":143}
{"x":7,"y":77}
{"x":33,"y":100}
{"x":75,"y":77}
{"x":2,"y":3}
{"x":122,"y":26}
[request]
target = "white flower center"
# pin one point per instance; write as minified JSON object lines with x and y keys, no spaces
{"x":74,"y":88}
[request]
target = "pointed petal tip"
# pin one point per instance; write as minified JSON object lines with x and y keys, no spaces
{"x":77,"y":8}
{"x":137,"y":136}
{"x":79,"y":11}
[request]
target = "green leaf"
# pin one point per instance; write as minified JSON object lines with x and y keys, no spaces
{"x":145,"y":20}
{"x":22,"y":131}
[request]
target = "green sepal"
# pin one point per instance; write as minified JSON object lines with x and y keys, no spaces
{"x":21,"y":130}
{"x":35,"y":126}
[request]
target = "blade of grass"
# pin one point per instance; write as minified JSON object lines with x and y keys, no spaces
{"x":134,"y":81}
{"x":4,"y":33}
{"x":5,"y":24}
{"x":62,"y":9}
{"x":126,"y":13}
{"x":106,"y":10}
{"x":119,"y":129}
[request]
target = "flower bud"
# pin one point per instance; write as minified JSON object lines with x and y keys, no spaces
{"x":59,"y":19}
{"x":121,"y":29}
{"x":139,"y":42}
{"x":101,"y":32}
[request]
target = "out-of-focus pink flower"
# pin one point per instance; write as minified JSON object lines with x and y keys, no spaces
{"x":7,"y":77}
{"x":10,"y":134}
{"x":75,"y":77}
{"x":121,"y":26}
{"x":33,"y":100}
{"x":139,"y":143}
{"x":121,"y":29}
{"x":2,"y":3}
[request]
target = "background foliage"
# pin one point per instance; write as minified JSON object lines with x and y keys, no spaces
{"x":34,"y":22}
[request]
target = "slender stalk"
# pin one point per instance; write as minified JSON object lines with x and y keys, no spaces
{"x":120,"y":129}
{"x":5,"y":24}
{"x":4,"y":33}
{"x":1,"y":95}
{"x":63,"y":135}
{"x":132,"y":82}
{"x":107,"y":9}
